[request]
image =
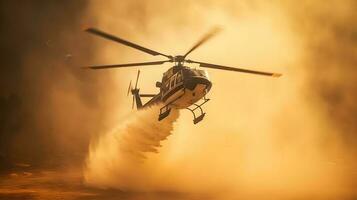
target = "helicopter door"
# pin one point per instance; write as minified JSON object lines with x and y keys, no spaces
{"x":170,"y":84}
{"x":173,"y":82}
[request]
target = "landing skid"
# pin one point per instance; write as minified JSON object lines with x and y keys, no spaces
{"x":202,"y":114}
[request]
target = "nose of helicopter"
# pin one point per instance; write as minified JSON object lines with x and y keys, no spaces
{"x":198,"y":80}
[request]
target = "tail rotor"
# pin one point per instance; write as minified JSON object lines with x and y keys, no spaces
{"x":129,"y":88}
{"x":134,"y":91}
{"x":137,"y":79}
{"x":132,"y":103}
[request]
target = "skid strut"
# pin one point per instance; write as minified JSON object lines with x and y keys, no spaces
{"x":198,"y":106}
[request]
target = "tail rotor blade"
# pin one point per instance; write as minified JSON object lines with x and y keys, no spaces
{"x":132,"y":104}
{"x":137,"y":79}
{"x":135,"y":90}
{"x":129,"y":88}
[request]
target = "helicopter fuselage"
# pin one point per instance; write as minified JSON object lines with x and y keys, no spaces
{"x":181,"y":87}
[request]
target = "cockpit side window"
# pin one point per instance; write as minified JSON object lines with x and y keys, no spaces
{"x":179,"y":77}
{"x":172,"y":81}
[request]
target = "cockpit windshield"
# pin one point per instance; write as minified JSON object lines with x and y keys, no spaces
{"x":196,"y":72}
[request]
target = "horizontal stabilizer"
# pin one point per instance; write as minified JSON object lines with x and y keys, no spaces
{"x":147,"y":95}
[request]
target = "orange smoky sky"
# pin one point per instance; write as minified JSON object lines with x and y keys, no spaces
{"x":291,"y":137}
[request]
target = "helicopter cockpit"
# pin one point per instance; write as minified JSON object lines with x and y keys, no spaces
{"x":192,"y":72}
{"x":186,"y":72}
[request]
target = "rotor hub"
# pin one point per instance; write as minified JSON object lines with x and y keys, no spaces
{"x":179,"y":59}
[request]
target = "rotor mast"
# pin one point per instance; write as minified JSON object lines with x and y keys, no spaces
{"x":179,"y":60}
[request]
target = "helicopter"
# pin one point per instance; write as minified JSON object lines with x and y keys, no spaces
{"x":181,"y":87}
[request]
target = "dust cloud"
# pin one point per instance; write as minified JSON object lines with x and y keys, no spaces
{"x":287,"y":138}
{"x":46,"y":102}
{"x":261,"y":137}
{"x":119,"y":158}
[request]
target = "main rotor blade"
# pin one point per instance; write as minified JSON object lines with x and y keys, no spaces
{"x":208,"y":65}
{"x":124,"y":42}
{"x":204,"y":39}
{"x":126,"y":65}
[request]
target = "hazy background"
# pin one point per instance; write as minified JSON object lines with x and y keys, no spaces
{"x":289,"y":137}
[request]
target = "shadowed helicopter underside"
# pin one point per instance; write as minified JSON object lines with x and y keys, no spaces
{"x":181,"y":87}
